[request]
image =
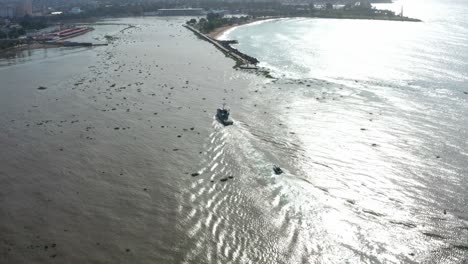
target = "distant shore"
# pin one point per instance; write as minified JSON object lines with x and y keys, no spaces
{"x":218,"y":32}
{"x":28,"y":46}
{"x":245,"y":61}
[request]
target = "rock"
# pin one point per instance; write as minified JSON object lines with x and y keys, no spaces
{"x":127,"y":250}
{"x":231,"y":177}
{"x":374,"y":145}
{"x":195,"y":174}
{"x":445,"y":212}
{"x":41,"y":88}
{"x":465,"y":92}
{"x":53,"y":245}
{"x":223,"y":179}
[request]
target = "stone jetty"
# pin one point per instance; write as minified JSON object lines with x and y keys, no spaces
{"x":244,"y":61}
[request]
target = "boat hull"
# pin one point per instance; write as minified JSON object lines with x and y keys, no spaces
{"x":226,"y":122}
{"x":223,"y":117}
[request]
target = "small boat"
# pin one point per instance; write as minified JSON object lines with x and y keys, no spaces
{"x":222,"y":114}
{"x":277,"y":170}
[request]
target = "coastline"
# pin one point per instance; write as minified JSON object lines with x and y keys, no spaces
{"x":40,"y":45}
{"x":62,"y":42}
{"x":245,"y":61}
{"x":218,"y":32}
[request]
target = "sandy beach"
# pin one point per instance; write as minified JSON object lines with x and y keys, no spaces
{"x":215,"y":34}
{"x":218,"y":32}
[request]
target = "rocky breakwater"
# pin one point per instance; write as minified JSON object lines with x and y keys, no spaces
{"x":227,"y":44}
{"x":244,"y":61}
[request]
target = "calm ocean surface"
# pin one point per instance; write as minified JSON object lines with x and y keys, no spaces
{"x":368,"y":119}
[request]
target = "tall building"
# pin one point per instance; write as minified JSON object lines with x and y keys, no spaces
{"x":7,"y":10}
{"x":23,"y":8}
{"x":15,"y":8}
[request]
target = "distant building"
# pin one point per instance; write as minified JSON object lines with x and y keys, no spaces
{"x":7,"y":10}
{"x":363,"y":4}
{"x":24,"y":8}
{"x":16,"y":8}
{"x":76,"y":11}
{"x":180,"y":12}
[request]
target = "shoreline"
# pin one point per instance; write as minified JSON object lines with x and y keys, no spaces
{"x":29,"y":46}
{"x":215,"y":34}
{"x":218,"y":32}
{"x":245,"y":61}
{"x":38,"y":45}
